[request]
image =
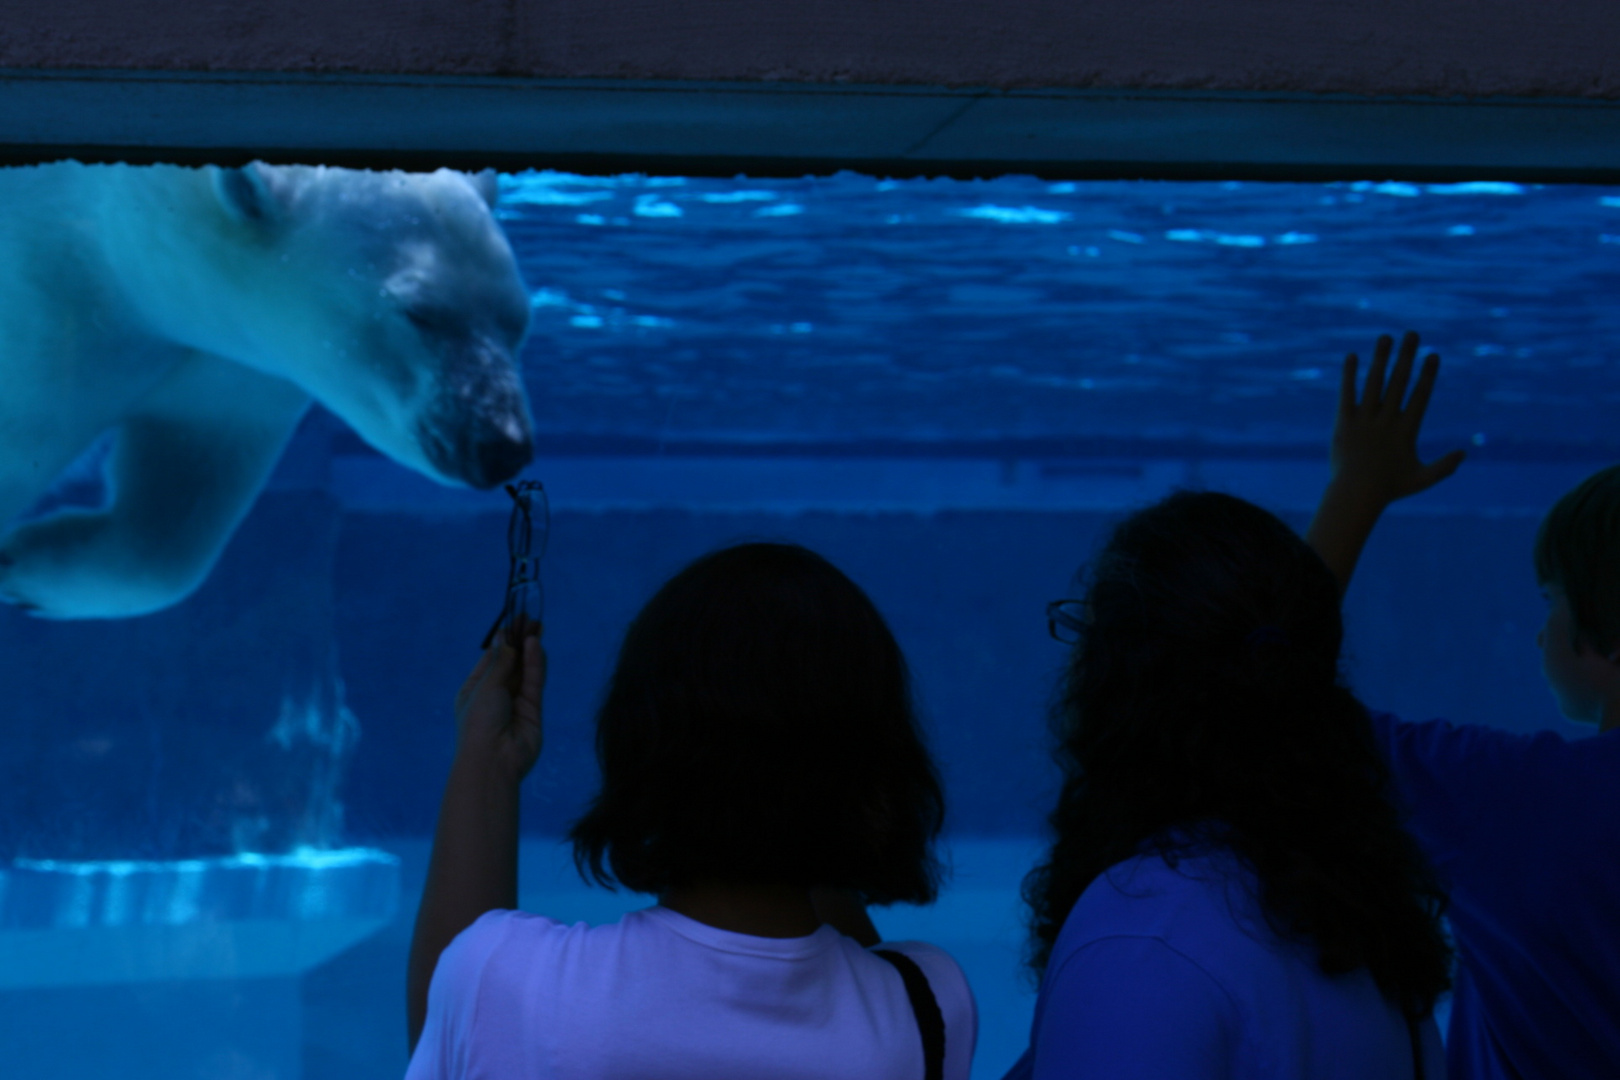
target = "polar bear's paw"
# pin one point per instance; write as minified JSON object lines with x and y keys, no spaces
{"x":8,"y":587}
{"x":74,"y":565}
{"x":28,"y":567}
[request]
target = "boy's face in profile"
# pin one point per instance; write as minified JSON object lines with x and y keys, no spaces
{"x":1581,"y":678}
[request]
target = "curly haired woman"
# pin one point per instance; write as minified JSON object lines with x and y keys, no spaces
{"x":1230,"y":892}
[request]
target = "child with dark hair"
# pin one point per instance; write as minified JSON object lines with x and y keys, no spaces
{"x":1230,"y":892}
{"x":1525,"y":829}
{"x":764,"y":774}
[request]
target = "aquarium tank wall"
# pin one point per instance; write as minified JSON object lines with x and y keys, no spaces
{"x":254,"y":530}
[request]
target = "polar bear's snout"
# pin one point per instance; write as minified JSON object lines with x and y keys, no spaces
{"x":499,"y":460}
{"x":478,"y":454}
{"x":492,"y":458}
{"x":477,"y":430}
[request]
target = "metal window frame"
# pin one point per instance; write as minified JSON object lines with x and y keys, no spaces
{"x":794,"y":129}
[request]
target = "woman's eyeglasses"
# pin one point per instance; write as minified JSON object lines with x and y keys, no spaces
{"x":1066,"y":620}
{"x":526,"y":535}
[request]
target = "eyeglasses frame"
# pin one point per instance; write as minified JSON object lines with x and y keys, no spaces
{"x":1069,"y":614}
{"x":523,"y":574}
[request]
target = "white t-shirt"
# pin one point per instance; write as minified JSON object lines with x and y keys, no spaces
{"x":659,"y":996}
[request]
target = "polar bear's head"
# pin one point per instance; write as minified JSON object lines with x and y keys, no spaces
{"x":392,"y":298}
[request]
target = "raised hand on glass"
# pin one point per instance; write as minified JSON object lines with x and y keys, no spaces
{"x":498,"y":721}
{"x":1374,"y":445}
{"x":1373,"y":452}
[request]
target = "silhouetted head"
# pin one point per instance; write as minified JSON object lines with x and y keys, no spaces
{"x":1203,"y":703}
{"x":1209,"y":586}
{"x":1578,"y":550}
{"x":759,"y":728}
{"x":1577,"y":559}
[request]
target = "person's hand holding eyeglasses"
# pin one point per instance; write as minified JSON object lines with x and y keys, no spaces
{"x":473,"y":867}
{"x":498,"y":719}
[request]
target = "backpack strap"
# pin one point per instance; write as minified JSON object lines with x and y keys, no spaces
{"x":930,"y":1022}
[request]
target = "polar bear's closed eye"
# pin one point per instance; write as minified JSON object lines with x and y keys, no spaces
{"x":247,"y":192}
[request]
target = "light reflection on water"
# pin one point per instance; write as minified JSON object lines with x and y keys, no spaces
{"x":851,"y":308}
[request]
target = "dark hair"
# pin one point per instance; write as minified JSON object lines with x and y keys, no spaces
{"x":1203,"y":703}
{"x":759,"y":727}
{"x":1578,"y":549}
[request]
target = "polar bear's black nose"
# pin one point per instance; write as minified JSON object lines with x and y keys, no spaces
{"x":498,"y":460}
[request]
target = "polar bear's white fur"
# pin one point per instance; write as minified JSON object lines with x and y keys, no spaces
{"x":196,"y":312}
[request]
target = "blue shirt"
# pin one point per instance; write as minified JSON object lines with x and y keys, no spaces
{"x":1525,"y":832}
{"x":1164,"y":973}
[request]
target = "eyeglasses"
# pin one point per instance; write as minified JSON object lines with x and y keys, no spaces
{"x":1066,"y":620}
{"x":526,"y":535}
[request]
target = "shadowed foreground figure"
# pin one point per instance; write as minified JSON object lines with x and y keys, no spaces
{"x":1524,"y":829}
{"x":763,"y":774}
{"x":1230,"y":892}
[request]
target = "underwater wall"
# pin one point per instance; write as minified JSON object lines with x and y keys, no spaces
{"x":172,"y":748}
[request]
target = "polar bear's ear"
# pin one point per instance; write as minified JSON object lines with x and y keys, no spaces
{"x":247,"y":193}
{"x":487,"y":184}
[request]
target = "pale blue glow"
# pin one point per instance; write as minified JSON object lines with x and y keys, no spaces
{"x":306,"y":884}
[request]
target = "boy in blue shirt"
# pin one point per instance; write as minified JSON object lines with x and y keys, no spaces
{"x":1525,"y":829}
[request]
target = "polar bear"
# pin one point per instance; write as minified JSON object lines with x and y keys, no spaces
{"x":196,"y":313}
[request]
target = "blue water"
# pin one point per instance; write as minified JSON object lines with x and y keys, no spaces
{"x":846,"y":308}
{"x":950,"y":388}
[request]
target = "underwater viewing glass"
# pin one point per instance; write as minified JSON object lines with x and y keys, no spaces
{"x":952,"y":390}
{"x":526,"y":534}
